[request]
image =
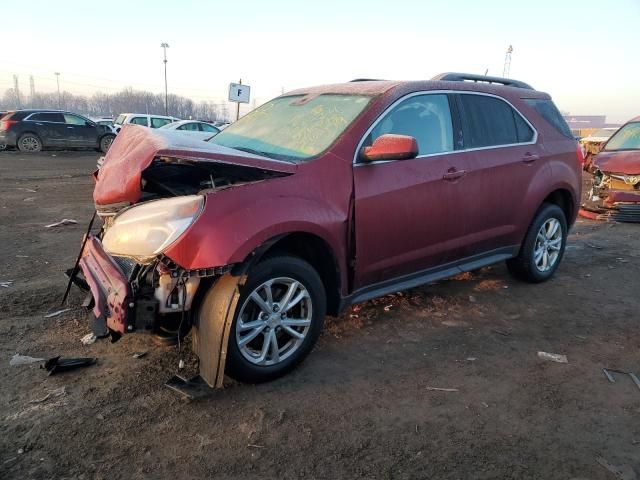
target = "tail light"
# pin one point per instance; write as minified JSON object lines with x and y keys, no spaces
{"x":579,"y":155}
{"x":6,"y":124}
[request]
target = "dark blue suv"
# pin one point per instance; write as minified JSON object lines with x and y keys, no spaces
{"x":33,"y":130}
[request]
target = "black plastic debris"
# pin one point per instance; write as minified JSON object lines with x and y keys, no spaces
{"x":58,"y":364}
{"x":191,"y":389}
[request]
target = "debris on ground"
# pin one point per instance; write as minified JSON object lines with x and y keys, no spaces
{"x":58,"y":364}
{"x":140,"y":354}
{"x":64,"y":221}
{"x":58,"y":392}
{"x":593,"y":245}
{"x":18,"y":359}
{"x":6,"y":283}
{"x":438,"y":389}
{"x":554,"y":357}
{"x":608,"y":375}
{"x":56,"y":313}
{"x":622,"y":472}
{"x":635,"y":379}
{"x":88,"y":339}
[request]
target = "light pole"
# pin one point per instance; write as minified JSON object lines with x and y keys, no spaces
{"x":58,"y":82}
{"x":164,"y":46}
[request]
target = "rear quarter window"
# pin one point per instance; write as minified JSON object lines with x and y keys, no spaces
{"x":548,"y":111}
{"x":490,"y":121}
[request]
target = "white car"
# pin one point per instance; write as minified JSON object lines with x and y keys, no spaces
{"x":193,"y":128}
{"x":153,"y":121}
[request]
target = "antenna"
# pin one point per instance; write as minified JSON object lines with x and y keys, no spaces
{"x":507,"y":62}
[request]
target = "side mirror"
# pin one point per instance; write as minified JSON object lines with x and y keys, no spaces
{"x":391,"y":147}
{"x":89,"y":123}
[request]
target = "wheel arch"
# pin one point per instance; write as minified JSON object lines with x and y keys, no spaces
{"x":310,"y":248}
{"x":563,"y":199}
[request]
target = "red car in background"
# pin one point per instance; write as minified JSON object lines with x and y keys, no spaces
{"x":615,"y":192}
{"x":322,"y":198}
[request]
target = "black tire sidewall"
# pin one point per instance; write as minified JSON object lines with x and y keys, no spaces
{"x":29,"y":135}
{"x":239,"y":367}
{"x":547,"y":212}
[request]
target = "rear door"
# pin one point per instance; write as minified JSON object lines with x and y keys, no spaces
{"x":49,"y":126}
{"x":405,"y":210}
{"x":500,"y":157}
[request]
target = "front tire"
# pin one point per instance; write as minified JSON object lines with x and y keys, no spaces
{"x":105,"y":143}
{"x":29,"y":143}
{"x":543,"y":246}
{"x":278,"y":320}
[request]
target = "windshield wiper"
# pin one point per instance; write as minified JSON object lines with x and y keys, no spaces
{"x":251,"y":150}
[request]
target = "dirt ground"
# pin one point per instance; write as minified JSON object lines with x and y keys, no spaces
{"x":361,"y":405}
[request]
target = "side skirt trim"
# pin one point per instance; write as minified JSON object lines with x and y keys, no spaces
{"x":429,"y":275}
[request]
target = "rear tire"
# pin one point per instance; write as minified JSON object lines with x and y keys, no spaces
{"x":29,"y":142}
{"x":105,"y":143}
{"x":281,"y":310}
{"x":543,"y":246}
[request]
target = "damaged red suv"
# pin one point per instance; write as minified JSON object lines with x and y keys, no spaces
{"x":322,"y":198}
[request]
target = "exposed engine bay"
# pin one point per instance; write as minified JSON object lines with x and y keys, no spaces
{"x":614,"y":196}
{"x":161,"y":293}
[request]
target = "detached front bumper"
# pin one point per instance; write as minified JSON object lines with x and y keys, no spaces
{"x":616,"y":205}
{"x":109,"y":286}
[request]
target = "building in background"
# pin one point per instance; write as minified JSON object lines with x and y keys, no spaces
{"x":584,"y":125}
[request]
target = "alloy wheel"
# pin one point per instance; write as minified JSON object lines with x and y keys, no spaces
{"x":548,"y":244}
{"x":29,"y":144}
{"x":274,"y":321}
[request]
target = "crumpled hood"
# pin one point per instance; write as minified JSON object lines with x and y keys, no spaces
{"x":618,"y":162}
{"x":135,"y":147}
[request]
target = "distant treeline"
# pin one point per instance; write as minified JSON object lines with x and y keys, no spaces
{"x":125,"y":101}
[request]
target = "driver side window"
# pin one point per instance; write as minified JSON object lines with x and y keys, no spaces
{"x":427,"y":118}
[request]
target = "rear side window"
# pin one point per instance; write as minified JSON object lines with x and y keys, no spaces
{"x":548,"y":111}
{"x":47,"y":117}
{"x":159,"y":122}
{"x":427,"y":118}
{"x":139,"y":121}
{"x":192,"y":127}
{"x":489,"y":121}
{"x":209,"y":128}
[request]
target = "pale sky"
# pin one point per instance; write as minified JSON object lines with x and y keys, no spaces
{"x":583,"y":52}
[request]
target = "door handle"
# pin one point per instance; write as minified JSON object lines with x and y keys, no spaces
{"x":70,"y":128}
{"x":454,"y":174}
{"x":530,"y":157}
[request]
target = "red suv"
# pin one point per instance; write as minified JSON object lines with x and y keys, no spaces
{"x":322,"y":198}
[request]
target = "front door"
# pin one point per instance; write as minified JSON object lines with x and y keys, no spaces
{"x":82,"y":132}
{"x":406,"y":211}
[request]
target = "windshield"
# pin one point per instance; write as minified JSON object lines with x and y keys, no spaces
{"x":120,"y":119}
{"x":627,"y":138}
{"x":293,"y":128}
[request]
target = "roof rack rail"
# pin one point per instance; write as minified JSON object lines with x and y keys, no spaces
{"x":470,"y":77}
{"x":366,"y":80}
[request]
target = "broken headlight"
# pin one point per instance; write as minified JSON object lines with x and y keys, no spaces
{"x":144,"y":231}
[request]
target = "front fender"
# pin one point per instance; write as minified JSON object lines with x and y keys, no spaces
{"x":230,"y":228}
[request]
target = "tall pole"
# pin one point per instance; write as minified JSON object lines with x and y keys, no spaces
{"x":507,"y":62}
{"x":166,"y":94}
{"x":238,"y":105}
{"x":58,"y":82}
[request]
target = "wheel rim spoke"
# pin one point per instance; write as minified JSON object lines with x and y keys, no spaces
{"x":275,"y":349}
{"x":255,"y":296}
{"x":246,"y":339}
{"x":287,"y":296}
{"x":295,"y":301}
{"x":296,"y":322}
{"x":292,"y":332}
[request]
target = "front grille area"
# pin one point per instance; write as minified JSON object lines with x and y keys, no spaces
{"x":127,"y":265}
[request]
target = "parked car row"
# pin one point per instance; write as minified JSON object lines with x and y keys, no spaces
{"x":32,"y":130}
